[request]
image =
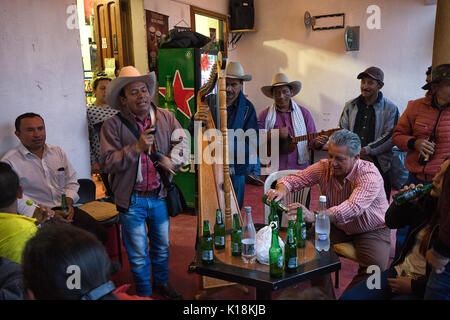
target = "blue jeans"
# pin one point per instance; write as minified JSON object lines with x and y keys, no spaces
{"x":239,"y":188}
{"x":360,"y":291}
{"x":438,"y":286}
{"x":150,"y":212}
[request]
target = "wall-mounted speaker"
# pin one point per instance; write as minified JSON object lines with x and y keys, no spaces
{"x":242,"y":15}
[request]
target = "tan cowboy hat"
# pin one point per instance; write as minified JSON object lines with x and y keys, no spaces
{"x":234,"y":70}
{"x":126,"y":76}
{"x":280,"y":79}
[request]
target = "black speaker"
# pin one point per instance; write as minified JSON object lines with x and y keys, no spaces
{"x":242,"y":14}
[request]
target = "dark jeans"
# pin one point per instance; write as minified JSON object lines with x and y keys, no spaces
{"x":438,"y":286}
{"x":360,"y":291}
{"x":239,"y":188}
{"x":401,"y":233}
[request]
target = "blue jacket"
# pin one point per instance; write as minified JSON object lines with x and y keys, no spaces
{"x":386,"y":115}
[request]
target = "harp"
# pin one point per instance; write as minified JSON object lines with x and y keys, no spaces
{"x":215,"y":190}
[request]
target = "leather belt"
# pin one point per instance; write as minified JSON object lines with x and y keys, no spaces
{"x":148,"y":194}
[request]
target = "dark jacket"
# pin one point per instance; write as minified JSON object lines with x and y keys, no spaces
{"x":119,"y":157}
{"x":442,"y":245}
{"x":416,"y":216}
{"x":10,"y":280}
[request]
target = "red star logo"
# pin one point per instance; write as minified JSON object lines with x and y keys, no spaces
{"x":181,"y":94}
{"x":204,"y":62}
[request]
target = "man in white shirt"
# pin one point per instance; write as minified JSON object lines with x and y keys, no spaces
{"x":45,"y":174}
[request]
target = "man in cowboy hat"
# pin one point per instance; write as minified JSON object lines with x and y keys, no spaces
{"x":373,"y":117}
{"x":241,"y":114}
{"x":132,"y":146}
{"x":290,"y":119}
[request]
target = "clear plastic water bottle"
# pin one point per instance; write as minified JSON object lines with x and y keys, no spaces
{"x":248,"y":237}
{"x":322,"y":228}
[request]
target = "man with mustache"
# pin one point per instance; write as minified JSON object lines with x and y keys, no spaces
{"x":373,"y":117}
{"x":355,"y":199}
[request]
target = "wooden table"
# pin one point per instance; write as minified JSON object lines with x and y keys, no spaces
{"x":230,"y":268}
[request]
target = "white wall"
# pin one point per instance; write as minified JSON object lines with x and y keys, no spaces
{"x":178,"y":10}
{"x":402,"y":48}
{"x":40,"y":60}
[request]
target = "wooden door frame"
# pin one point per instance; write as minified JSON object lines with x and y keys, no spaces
{"x":194,"y":10}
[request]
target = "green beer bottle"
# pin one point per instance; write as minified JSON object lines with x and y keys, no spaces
{"x":410,"y":194}
{"x":275,"y":255}
{"x":273,"y":216}
{"x":207,"y":244}
{"x":64,"y":206}
{"x":169,"y":100}
{"x":290,"y":248}
{"x":300,"y":229}
{"x":278,"y":204}
{"x":236,"y":237}
{"x":219,"y":231}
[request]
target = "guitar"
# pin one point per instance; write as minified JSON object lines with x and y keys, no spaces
{"x":290,"y":143}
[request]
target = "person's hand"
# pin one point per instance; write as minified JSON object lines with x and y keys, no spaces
{"x":166,"y":163}
{"x":400,"y":285}
{"x":65,"y":216}
{"x":410,"y":187}
{"x":202,"y":114}
{"x":320,"y":141}
{"x":278,"y":193}
{"x":284,"y":133}
{"x":95,"y":168}
{"x":146,"y":140}
{"x":308,"y":216}
{"x":43,"y":213}
{"x":424,"y":146}
{"x":436,"y":261}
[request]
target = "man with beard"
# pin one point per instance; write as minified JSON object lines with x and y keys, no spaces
{"x":373,"y":117}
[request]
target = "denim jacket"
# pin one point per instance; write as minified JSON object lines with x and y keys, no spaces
{"x":386,"y":114}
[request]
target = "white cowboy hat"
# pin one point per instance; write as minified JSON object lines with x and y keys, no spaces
{"x":234,"y":70}
{"x":280,"y":79}
{"x":126,"y":76}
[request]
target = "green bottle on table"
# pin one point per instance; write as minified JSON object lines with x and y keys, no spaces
{"x":276,"y":260}
{"x":290,"y":249}
{"x":64,"y":206}
{"x":300,"y":229}
{"x":219,"y":231}
{"x":236,"y":236}
{"x":273,"y":216}
{"x":206,"y":244}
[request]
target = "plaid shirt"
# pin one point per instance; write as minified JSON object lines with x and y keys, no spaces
{"x":359,"y":204}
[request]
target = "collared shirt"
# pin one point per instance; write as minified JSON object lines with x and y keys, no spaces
{"x":359,"y":204}
{"x":365,"y":121}
{"x":43,"y":180}
{"x":149,"y":174}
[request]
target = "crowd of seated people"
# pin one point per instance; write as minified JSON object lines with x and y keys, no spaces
{"x":133,"y":156}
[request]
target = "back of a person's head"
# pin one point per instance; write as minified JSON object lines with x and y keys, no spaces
{"x":56,"y":255}
{"x":9,"y":185}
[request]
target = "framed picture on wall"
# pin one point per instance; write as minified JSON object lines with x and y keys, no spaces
{"x":157,"y":29}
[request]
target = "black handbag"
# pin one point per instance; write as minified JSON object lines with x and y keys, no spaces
{"x":175,"y":201}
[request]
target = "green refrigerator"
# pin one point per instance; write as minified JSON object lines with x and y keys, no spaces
{"x":189,"y":69}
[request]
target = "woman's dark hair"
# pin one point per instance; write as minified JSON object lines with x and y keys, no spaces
{"x":9,"y":185}
{"x":97,"y":81}
{"x":50,"y":257}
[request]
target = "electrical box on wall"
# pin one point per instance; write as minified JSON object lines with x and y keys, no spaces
{"x":351,"y":37}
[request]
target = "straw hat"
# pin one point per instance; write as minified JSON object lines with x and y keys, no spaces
{"x":234,"y":70}
{"x":280,"y":79}
{"x":126,"y":76}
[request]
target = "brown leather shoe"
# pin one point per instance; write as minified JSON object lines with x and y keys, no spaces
{"x":168,"y":291}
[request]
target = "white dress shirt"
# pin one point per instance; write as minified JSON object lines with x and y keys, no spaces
{"x":43,"y":180}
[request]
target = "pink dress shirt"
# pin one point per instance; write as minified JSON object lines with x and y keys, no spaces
{"x":359,"y":204}
{"x":149,"y":174}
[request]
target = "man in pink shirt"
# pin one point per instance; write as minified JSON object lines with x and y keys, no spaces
{"x":355,"y":199}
